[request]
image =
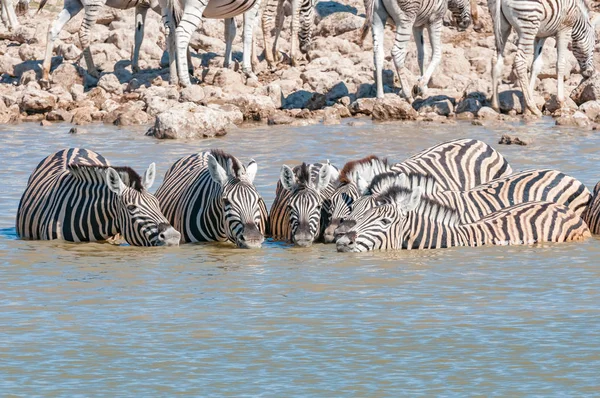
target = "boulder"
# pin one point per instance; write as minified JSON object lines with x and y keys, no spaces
{"x":67,"y":75}
{"x":37,"y":101}
{"x":338,"y":23}
{"x":439,"y":104}
{"x":578,"y":119}
{"x":60,"y":115}
{"x":254,"y":107}
{"x":110,"y":83}
{"x":552,"y":105}
{"x":392,"y":107}
{"x":203,"y":121}
{"x":193,"y":93}
{"x":331,"y":116}
{"x":487,"y":113}
{"x":588,"y":90}
{"x":591,"y":109}
{"x":83,"y":115}
{"x":362,"y":106}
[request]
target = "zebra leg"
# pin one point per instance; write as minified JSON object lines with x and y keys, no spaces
{"x":562,"y":41}
{"x":377,"y":30}
{"x":91,"y":14}
{"x":403,"y":29}
{"x":295,"y":24}
{"x":140,"y":20}
{"x":190,"y":20}
{"x":420,"y":42}
{"x":524,"y":50}
{"x":169,"y":23}
{"x":22,"y":7}
{"x":435,"y":33}
{"x":230,"y":31}
{"x":498,"y":62}
{"x":271,"y":7}
{"x":307,"y":20}
{"x":249,"y":56}
{"x":70,"y":9}
{"x":279,"y":20}
{"x":538,"y":62}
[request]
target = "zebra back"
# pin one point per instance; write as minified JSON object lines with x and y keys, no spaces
{"x":457,"y":165}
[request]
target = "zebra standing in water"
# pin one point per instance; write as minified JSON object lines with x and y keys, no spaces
{"x":527,"y":186}
{"x":592,"y":214}
{"x":76,"y":196}
{"x":404,"y":219}
{"x":210,"y":196}
{"x":298,"y":213}
{"x":407,"y":15}
{"x":302,"y":21}
{"x":535,"y":21}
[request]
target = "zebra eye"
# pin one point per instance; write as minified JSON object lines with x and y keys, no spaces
{"x":131,"y":208}
{"x":386,"y":222}
{"x":226,"y":202}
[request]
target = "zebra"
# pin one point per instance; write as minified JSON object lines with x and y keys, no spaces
{"x":527,"y":186}
{"x":353,"y":180}
{"x":535,"y":21}
{"x":183,"y":17}
{"x":210,"y":196}
{"x":407,"y":14}
{"x":299,"y":210}
{"x":74,"y":195}
{"x":9,"y":17}
{"x":592,"y":214}
{"x":403,"y":219}
{"x":302,"y":21}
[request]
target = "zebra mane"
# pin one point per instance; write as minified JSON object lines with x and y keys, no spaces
{"x":360,"y":166}
{"x":303,"y":175}
{"x":223,"y":157}
{"x":385,"y":180}
{"x":426,"y":182}
{"x":427,"y":208}
{"x":380,"y":182}
{"x":91,"y":172}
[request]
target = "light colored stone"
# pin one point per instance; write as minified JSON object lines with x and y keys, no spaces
{"x":487,"y":113}
{"x":67,"y":75}
{"x":203,"y":122}
{"x":588,"y":90}
{"x":110,"y":83}
{"x":37,"y":101}
{"x":193,"y":93}
{"x":392,"y":107}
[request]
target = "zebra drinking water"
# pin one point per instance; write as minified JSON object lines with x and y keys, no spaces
{"x":416,"y":15}
{"x":76,"y":196}
{"x":403,"y":219}
{"x":535,"y":21}
{"x":210,"y":196}
{"x":299,"y":210}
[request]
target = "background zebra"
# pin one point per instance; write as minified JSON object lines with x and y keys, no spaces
{"x":300,"y":207}
{"x":76,"y":196}
{"x":210,"y":196}
{"x":416,"y":15}
{"x":302,"y":21}
{"x":404,"y":219}
{"x":9,"y":17}
{"x":592,"y":215}
{"x":534,"y":21}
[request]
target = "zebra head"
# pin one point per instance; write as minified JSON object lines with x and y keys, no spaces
{"x":305,"y":201}
{"x":138,"y":216}
{"x":461,"y":11}
{"x":584,"y":41}
{"x":239,"y":202}
{"x":381,"y":227}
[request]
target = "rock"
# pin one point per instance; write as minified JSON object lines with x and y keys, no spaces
{"x":578,"y":119}
{"x":320,"y":81}
{"x":202,"y":122}
{"x":98,"y":96}
{"x":297,"y":100}
{"x":131,"y":117}
{"x":37,"y":101}
{"x":78,"y":93}
{"x":511,"y":100}
{"x":363,"y":106}
{"x":9,"y":114}
{"x":508,"y":140}
{"x":317,"y":101}
{"x":487,"y":113}
{"x":440,"y":104}
{"x":193,"y":93}
{"x":552,"y":105}
{"x":280,"y":118}
{"x":588,"y":90}
{"x":254,"y":107}
{"x":67,"y":75}
{"x":392,"y":107}
{"x":110,"y":83}
{"x":338,"y":23}
{"x":83,"y":115}
{"x":7,"y":64}
{"x":59,"y":115}
{"x":28,"y":76}
{"x":228,"y":79}
{"x":469,"y":104}
{"x":156,"y":105}
{"x":69,"y":52}
{"x":339,"y":90}
{"x":45,"y":123}
{"x":331,"y":116}
{"x":591,"y":109}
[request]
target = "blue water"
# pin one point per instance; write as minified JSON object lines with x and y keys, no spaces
{"x":212,"y":320}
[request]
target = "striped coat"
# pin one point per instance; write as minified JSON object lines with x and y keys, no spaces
{"x":592,"y":214}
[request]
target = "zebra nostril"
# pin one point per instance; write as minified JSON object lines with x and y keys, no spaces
{"x":161,"y":236}
{"x":351,"y":236}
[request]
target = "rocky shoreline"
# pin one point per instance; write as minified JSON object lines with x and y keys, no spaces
{"x":335,"y":84}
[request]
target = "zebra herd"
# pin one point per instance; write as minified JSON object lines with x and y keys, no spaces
{"x":533,"y":20}
{"x":458,"y":193}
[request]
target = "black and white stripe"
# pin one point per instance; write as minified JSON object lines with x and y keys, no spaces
{"x":592,"y":214}
{"x":76,"y":196}
{"x":210,"y":196}
{"x":535,"y":21}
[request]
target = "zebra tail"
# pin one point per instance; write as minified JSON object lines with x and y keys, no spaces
{"x":369,"y":9}
{"x":42,"y":4}
{"x":496,"y":12}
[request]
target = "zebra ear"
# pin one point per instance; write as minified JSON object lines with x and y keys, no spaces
{"x":251,"y":170}
{"x":324,"y":177}
{"x":361,"y":184}
{"x":287,"y":177}
{"x":335,"y":173}
{"x":149,"y":176}
{"x":413,"y":201}
{"x":217,"y":173}
{"x":114,"y":182}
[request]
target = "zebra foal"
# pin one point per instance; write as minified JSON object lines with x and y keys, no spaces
{"x":403,"y":219}
{"x":535,"y":21}
{"x":74,"y":195}
{"x":416,"y":15}
{"x":210,"y":196}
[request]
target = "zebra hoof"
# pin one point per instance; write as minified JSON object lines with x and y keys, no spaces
{"x":418,"y":90}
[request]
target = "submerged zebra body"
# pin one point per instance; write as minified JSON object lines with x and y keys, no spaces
{"x":76,"y":196}
{"x":592,"y":214}
{"x":299,"y":211}
{"x":535,"y":21}
{"x":403,"y":219}
{"x":210,"y":196}
{"x":302,"y":21}
{"x":410,"y":16}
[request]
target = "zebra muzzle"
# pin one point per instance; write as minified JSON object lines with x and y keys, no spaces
{"x":168,"y":236}
{"x":346,"y":243}
{"x":250,"y":238}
